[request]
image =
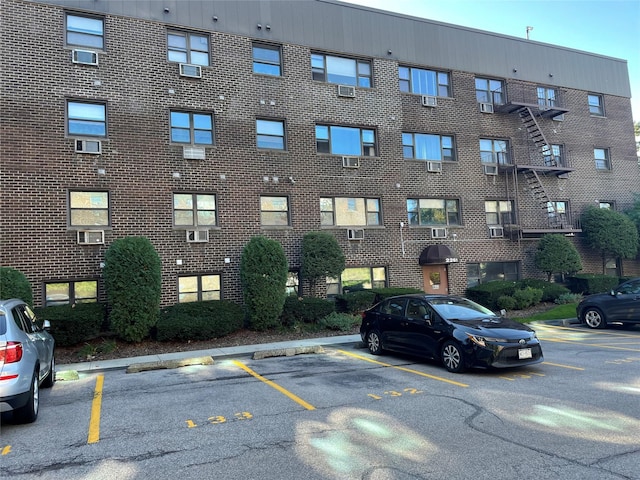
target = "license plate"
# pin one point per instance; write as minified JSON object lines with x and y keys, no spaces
{"x":524,"y":353}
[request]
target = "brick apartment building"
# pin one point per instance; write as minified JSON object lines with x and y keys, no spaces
{"x":437,"y":155}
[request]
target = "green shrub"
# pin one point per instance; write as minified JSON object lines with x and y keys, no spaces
{"x":73,"y":324}
{"x":588,"y":284}
{"x":263,"y":272}
{"x":340,"y":321}
{"x":566,"y":298}
{"x":550,"y":291}
{"x":306,"y":310}
{"x":355,"y":301}
{"x":487,"y":294}
{"x":132,"y":275}
{"x":13,"y":284}
{"x":382,"y":293}
{"x":526,"y":297}
{"x":506,"y":302}
{"x":199,"y":320}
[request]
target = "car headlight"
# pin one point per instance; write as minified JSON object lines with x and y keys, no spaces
{"x":482,"y":341}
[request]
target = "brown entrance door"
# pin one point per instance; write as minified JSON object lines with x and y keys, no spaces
{"x":435,"y":279}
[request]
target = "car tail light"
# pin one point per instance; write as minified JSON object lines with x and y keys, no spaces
{"x":11,"y":353}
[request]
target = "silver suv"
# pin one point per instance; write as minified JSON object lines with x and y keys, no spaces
{"x":26,"y":360}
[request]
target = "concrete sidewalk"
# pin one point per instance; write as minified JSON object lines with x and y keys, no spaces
{"x":215,"y":353}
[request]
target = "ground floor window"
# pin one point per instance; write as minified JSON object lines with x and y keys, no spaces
{"x":70,"y":293}
{"x":293,"y":284}
{"x":478,"y":273}
{"x":198,"y":288}
{"x":612,"y":267}
{"x":357,"y":278}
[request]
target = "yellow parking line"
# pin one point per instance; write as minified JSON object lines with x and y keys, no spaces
{"x":285,"y":392}
{"x":562,"y":366}
{"x":355,"y":355}
{"x":612,"y":347}
{"x":94,"y":422}
{"x":6,"y":450}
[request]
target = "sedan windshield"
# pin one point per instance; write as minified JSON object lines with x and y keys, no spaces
{"x":460,"y":309}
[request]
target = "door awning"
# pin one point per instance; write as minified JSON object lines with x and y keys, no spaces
{"x":437,"y":254}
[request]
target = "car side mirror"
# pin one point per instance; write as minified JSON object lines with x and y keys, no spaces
{"x":46,"y":325}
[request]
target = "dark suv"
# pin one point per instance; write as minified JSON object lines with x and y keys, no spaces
{"x":622,"y":305}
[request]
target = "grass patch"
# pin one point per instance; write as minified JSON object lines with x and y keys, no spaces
{"x":556,"y":313}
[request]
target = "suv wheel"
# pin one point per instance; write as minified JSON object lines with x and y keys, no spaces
{"x":374,"y":344}
{"x":594,"y":318}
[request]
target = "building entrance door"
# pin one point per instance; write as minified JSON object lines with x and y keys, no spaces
{"x":435,"y":279}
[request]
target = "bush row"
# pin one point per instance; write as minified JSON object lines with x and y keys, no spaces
{"x":587,"y":284}
{"x":74,"y":324}
{"x":521,"y":294}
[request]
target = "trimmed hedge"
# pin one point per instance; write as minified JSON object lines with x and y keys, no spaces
{"x":342,"y":322}
{"x":14,"y":284}
{"x":588,"y":284}
{"x":199,"y":320}
{"x":487,"y":294}
{"x":550,"y":291}
{"x":73,"y":324}
{"x":360,"y":300}
{"x":306,"y":310}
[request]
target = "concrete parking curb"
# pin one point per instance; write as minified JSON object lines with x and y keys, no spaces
{"x":287,"y":352}
{"x":168,"y":364}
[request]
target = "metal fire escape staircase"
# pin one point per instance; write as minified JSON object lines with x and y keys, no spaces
{"x":531,"y":175}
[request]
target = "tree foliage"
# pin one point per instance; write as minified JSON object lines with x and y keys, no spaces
{"x":263,"y":273}
{"x":14,"y":284}
{"x":556,"y":254}
{"x":610,"y":232}
{"x":132,"y":276}
{"x":634,"y":212}
{"x":321,"y":257}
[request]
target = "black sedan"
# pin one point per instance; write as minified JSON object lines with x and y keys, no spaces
{"x":621,"y":305}
{"x":454,"y":330}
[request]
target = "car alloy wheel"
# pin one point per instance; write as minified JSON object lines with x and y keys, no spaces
{"x":452,"y":357}
{"x":594,"y":318}
{"x":373,"y":342}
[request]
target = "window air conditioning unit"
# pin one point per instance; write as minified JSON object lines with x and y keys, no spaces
{"x":190,"y":152}
{"x":355,"y":234}
{"x":84,"y":57}
{"x":191,"y":71}
{"x":486,"y":107}
{"x":90,"y":237}
{"x":434,"y":166}
{"x":197,"y":236}
{"x":429,"y":101}
{"x":351,"y":162}
{"x":490,"y":169}
{"x":496,"y":232}
{"x":438,"y":233}
{"x":559,"y":118}
{"x":89,"y":146}
{"x":346,"y":91}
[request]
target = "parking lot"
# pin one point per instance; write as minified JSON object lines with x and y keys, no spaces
{"x":346,"y":414}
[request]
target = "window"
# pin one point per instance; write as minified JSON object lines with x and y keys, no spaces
{"x":358,"y":278}
{"x":345,"y":71}
{"x":433,"y":211}
{"x":192,"y":128}
{"x":428,"y":147}
{"x":198,"y":288}
{"x":274,"y":211}
{"x":338,"y":140}
{"x":266,"y":60}
{"x":558,"y":212}
{"x":601,"y":156}
{"x":86,"y":118}
{"x":478,"y":273}
{"x":270,"y":134}
{"x":188,"y":48}
{"x":553,"y":155}
{"x":85,"y":31}
{"x":194,"y":210}
{"x":424,"y":82}
{"x":292,"y":287}
{"x":494,"y":151}
{"x":547,"y":97}
{"x":88,"y":209}
{"x":490,"y":91}
{"x":499,"y":212}
{"x":612,"y":267}
{"x":607,"y":205}
{"x":596,"y":105}
{"x":343,"y":211}
{"x":70,"y":293}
